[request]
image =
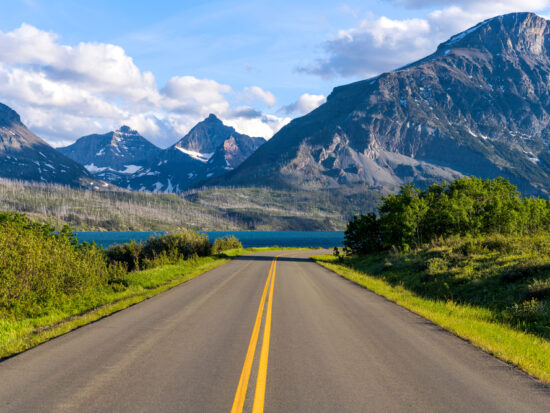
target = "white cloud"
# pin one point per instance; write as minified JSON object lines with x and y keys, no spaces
{"x":381,"y":44}
{"x":305,"y":104}
{"x":187,"y":94}
{"x":253,"y":93}
{"x":503,"y":6}
{"x":258,"y":126}
{"x":63,"y":92}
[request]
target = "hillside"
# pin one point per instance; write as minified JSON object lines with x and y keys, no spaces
{"x":211,"y":209}
{"x":23,"y":155}
{"x":479,"y":105}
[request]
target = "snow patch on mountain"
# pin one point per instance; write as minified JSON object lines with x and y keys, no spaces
{"x":203,"y":157}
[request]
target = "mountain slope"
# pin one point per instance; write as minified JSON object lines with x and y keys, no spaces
{"x":208,"y":150}
{"x":112,"y":155}
{"x":24,"y":156}
{"x":480,"y":105}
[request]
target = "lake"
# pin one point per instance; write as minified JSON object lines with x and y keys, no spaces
{"x":324,"y":239}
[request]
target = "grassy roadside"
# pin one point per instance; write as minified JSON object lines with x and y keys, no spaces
{"x":17,"y":335}
{"x":486,"y":297}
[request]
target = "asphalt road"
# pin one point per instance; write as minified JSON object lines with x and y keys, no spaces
{"x":329,"y":346}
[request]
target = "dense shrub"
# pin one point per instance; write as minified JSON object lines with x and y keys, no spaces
{"x":467,"y":206}
{"x":182,"y":244}
{"x":39,"y":268}
{"x":129,"y":254}
{"x":160,"y":250}
{"x":362,"y":234}
{"x":225,"y":243}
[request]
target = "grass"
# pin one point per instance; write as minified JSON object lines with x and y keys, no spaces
{"x":492,"y":292}
{"x":17,"y":335}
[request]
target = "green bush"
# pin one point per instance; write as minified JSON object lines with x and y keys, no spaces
{"x":225,"y":243}
{"x":183,"y":244}
{"x":129,"y":254}
{"x":159,"y":250}
{"x":40,"y":268}
{"x":362,"y":234}
{"x":466,"y":207}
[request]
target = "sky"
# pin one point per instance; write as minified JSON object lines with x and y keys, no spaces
{"x":73,"y":68}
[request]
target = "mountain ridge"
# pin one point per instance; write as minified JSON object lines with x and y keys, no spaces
{"x":25,"y":156}
{"x":469,"y":108}
{"x":209,"y":149}
{"x":127,"y":159}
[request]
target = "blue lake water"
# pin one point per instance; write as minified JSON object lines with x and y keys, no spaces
{"x":325,"y":239}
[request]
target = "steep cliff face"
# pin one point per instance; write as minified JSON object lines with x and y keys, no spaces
{"x":25,"y":156}
{"x":479,"y":105}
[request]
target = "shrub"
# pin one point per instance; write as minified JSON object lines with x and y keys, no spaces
{"x":362,"y":234}
{"x":531,"y":311}
{"x":182,"y":244}
{"x":225,"y":243}
{"x":39,"y":267}
{"x":539,"y":289}
{"x":437,"y":266}
{"x":129,"y":254}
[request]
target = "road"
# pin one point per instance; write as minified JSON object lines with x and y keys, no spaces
{"x":329,"y":346}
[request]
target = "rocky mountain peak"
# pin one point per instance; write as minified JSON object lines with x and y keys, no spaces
{"x":525,"y":33}
{"x":126,"y":130}
{"x":206,"y":135}
{"x":8,"y":116}
{"x":124,"y":133}
{"x":213,"y":118}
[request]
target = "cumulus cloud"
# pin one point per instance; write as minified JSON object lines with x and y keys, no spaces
{"x":63,"y":92}
{"x":380,"y":44}
{"x":187,"y":94}
{"x":305,"y":104}
{"x":253,"y":93}
{"x":257,"y":126}
{"x":493,"y":6}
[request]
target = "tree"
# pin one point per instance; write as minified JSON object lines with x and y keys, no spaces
{"x":362,"y":235}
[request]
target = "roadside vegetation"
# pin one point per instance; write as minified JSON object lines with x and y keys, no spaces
{"x":472,"y":256}
{"x":49,"y":284}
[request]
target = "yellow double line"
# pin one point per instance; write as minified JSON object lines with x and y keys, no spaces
{"x":259,"y":394}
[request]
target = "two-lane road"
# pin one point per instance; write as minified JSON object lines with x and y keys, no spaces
{"x":288,"y":336}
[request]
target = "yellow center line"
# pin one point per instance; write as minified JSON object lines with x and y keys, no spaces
{"x":259,"y":394}
{"x":240,"y":395}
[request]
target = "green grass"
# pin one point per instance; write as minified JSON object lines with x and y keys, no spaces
{"x":491,"y":291}
{"x":20,"y":334}
{"x":17,"y":335}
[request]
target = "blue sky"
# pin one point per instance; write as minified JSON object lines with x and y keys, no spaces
{"x":72,"y":67}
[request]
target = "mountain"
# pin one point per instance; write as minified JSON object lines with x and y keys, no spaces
{"x":479,"y":105}
{"x":208,"y":150}
{"x":113,"y":155}
{"x":24,"y":156}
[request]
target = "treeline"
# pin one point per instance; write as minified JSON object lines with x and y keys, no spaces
{"x":221,"y":208}
{"x":41,"y":269}
{"x":167,"y":249}
{"x":89,"y":210}
{"x":467,"y":206}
